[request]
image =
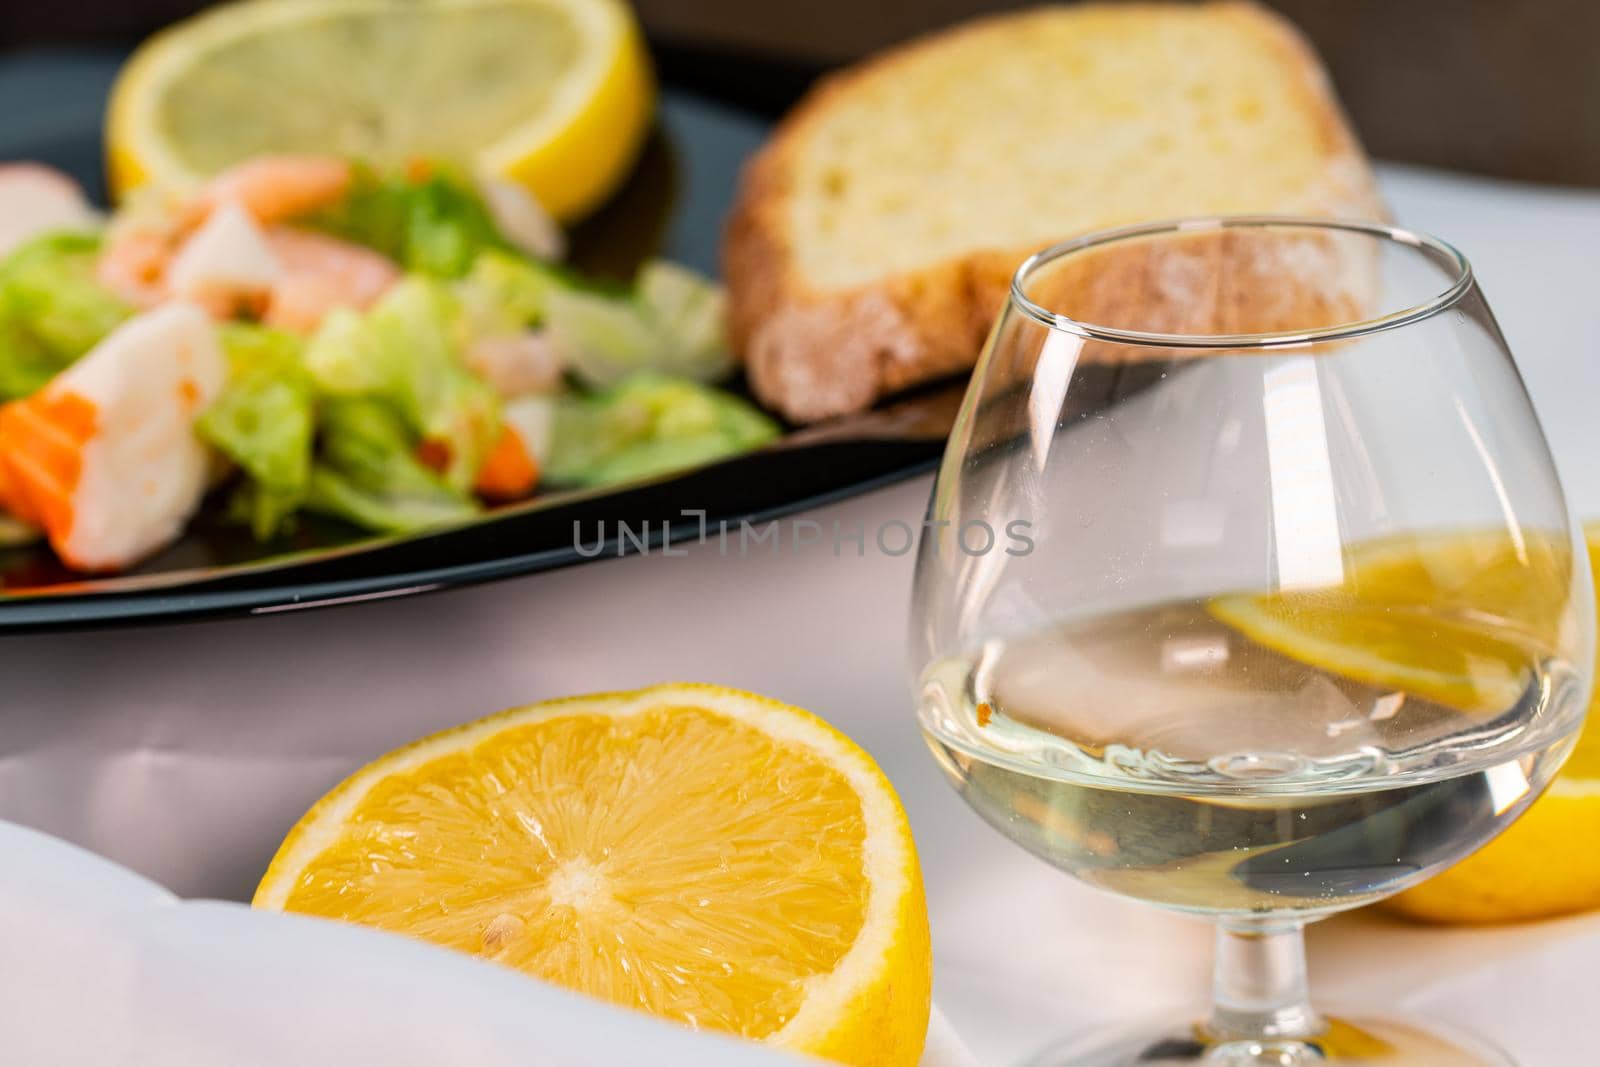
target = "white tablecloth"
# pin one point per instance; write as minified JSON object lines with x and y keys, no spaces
{"x":186,"y":751}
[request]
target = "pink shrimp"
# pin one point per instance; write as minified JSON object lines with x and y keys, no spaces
{"x":275,"y":188}
{"x":133,"y":262}
{"x":139,"y":251}
{"x":516,"y":364}
{"x":319,"y":274}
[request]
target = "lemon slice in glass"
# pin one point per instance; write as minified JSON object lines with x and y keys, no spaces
{"x":1453,"y":618}
{"x":556,"y":94}
{"x":699,"y":853}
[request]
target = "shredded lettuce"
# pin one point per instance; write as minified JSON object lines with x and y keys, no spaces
{"x":264,"y":420}
{"x":672,"y":323}
{"x":340,"y":424}
{"x":691,"y":311}
{"x":435,"y":225}
{"x":368,"y":473}
{"x":52,"y":310}
{"x":648,"y":425}
{"x":404,"y":351}
{"x":342,"y":355}
{"x":504,"y":293}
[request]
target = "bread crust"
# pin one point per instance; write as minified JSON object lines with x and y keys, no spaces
{"x":813,"y":354}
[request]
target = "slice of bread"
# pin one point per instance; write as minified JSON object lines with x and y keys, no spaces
{"x":875,"y":235}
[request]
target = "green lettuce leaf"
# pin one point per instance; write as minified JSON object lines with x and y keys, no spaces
{"x":342,"y":357}
{"x":264,"y":420}
{"x":504,"y":292}
{"x":435,"y":225}
{"x":368,"y":473}
{"x":691,"y":311}
{"x":648,"y":425}
{"x":404,"y":351}
{"x":671,"y":323}
{"x":52,"y":310}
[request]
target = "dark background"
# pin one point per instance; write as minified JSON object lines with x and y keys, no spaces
{"x":1502,"y":87}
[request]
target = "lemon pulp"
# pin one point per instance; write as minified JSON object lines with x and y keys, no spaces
{"x":620,"y":857}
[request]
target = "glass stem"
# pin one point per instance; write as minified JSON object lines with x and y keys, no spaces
{"x":1259,"y":984}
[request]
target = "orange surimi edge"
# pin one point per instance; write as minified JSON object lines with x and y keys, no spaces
{"x":42,"y":440}
{"x":435,"y":455}
{"x":509,"y":471}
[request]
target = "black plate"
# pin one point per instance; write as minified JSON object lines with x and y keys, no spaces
{"x":672,"y":206}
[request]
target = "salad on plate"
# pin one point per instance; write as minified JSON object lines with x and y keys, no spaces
{"x":307,"y":335}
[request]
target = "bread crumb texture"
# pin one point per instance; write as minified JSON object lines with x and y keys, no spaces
{"x":1019,"y":131}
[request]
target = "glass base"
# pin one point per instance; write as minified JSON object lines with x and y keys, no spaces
{"x":1348,"y":1042}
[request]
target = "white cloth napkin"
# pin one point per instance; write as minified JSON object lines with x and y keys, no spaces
{"x":105,"y":968}
{"x":945,"y":1047}
{"x":102,"y":968}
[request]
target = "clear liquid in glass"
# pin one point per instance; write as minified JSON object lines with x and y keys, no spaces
{"x":1160,"y":754}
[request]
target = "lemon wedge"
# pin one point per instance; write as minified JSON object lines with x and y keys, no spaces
{"x":703,"y":854}
{"x":1452,"y":618}
{"x":555,"y":94}
{"x":1544,"y":865}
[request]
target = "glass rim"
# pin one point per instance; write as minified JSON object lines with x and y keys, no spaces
{"x":1448,"y":297}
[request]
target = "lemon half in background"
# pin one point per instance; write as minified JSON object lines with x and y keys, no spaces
{"x":555,"y":94}
{"x":1545,"y":865}
{"x":699,"y":853}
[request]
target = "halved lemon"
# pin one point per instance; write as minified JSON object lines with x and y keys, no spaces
{"x":556,"y":94}
{"x":1452,"y":618}
{"x":703,"y":854}
{"x":1545,"y":864}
